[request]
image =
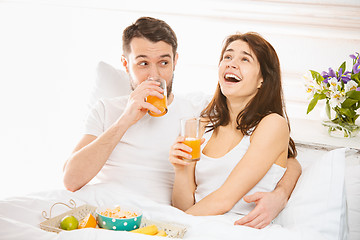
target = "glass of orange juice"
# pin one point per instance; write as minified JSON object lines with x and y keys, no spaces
{"x":190,"y":129}
{"x":159,"y":103}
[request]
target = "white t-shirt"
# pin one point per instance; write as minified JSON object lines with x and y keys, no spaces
{"x":211,"y":174}
{"x":140,"y":161}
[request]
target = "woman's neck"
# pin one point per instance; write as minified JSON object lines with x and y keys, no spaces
{"x":235,"y":107}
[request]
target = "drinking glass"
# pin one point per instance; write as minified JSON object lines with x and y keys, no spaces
{"x":190,"y":129}
{"x":159,"y":103}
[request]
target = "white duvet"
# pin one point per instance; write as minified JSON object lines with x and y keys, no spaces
{"x":20,"y":218}
{"x":313,"y":212}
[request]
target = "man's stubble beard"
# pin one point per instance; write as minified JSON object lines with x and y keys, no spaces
{"x":168,"y":86}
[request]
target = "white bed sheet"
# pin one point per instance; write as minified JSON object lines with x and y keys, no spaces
{"x":20,"y":216}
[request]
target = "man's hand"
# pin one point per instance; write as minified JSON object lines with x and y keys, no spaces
{"x":137,"y":107}
{"x":268,"y":206}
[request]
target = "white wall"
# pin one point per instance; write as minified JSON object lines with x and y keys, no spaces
{"x":49,"y":51}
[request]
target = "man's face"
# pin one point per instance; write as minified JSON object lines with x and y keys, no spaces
{"x":150,"y":60}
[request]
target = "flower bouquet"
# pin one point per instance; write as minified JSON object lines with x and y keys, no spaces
{"x":341,"y":90}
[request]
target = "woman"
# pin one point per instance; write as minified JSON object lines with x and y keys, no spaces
{"x":247,"y":137}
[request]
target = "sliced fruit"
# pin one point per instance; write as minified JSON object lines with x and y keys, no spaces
{"x":148,"y":230}
{"x":88,"y":222}
{"x":161,"y":233}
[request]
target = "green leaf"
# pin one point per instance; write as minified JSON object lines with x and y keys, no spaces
{"x":322,"y":96}
{"x":315,"y":75}
{"x":347,"y":112}
{"x":348,"y":103}
{"x":343,"y":66}
{"x":314,"y":101}
{"x":312,"y":104}
{"x":353,"y":94}
{"x":356,"y":77}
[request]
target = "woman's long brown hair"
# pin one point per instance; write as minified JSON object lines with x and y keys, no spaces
{"x":268,"y":99}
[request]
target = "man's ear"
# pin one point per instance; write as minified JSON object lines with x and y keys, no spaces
{"x":175,"y":60}
{"x":125,"y":63}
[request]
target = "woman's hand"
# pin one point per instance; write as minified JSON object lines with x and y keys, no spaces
{"x":179,"y":153}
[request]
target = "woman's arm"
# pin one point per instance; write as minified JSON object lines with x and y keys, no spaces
{"x":269,"y":143}
{"x":184,"y":184}
{"x":184,"y":187}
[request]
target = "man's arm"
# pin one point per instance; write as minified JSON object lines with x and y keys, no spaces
{"x":92,"y":152}
{"x":270,"y":204}
{"x":90,"y":155}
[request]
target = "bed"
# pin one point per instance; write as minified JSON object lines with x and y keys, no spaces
{"x":324,"y":204}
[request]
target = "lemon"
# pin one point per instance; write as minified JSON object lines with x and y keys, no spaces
{"x":69,"y":223}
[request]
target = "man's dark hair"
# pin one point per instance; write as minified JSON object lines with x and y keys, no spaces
{"x":151,"y":29}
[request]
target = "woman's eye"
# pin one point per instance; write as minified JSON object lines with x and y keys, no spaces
{"x":227,"y":57}
{"x":245,"y":59}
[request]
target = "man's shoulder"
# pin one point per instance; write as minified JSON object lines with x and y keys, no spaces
{"x":116,"y":101}
{"x":193,"y":102}
{"x":194,"y":97}
{"x":111,"y":104}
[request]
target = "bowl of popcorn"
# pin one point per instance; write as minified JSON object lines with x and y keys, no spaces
{"x":119,"y":218}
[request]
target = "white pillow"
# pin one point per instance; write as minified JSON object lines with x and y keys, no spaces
{"x":318,"y":202}
{"x":110,"y":82}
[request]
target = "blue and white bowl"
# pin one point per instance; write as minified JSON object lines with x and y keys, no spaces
{"x":119,"y":224}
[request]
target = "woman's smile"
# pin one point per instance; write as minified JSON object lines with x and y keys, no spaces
{"x":232,"y":78}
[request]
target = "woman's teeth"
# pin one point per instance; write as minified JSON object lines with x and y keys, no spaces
{"x":232,"y":78}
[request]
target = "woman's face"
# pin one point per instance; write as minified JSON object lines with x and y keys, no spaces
{"x":239,"y":72}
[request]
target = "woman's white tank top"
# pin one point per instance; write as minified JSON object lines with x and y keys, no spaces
{"x":211,"y":173}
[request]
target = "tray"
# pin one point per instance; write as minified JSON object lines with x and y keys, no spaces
{"x":172,"y":230}
{"x":52,"y":224}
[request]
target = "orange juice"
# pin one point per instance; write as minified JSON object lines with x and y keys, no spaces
{"x":159,"y":104}
{"x":194,"y":143}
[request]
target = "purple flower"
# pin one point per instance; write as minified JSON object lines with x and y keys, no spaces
{"x":329,"y":75}
{"x":356,"y":67}
{"x":355,"y":57}
{"x":356,"y":62}
{"x":352,"y":56}
{"x":358,"y":89}
{"x":345,"y":77}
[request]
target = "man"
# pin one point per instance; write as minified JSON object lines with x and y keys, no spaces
{"x":124,"y":144}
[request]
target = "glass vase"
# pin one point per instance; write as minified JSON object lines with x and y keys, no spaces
{"x":342,"y":130}
{"x":336,"y":126}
